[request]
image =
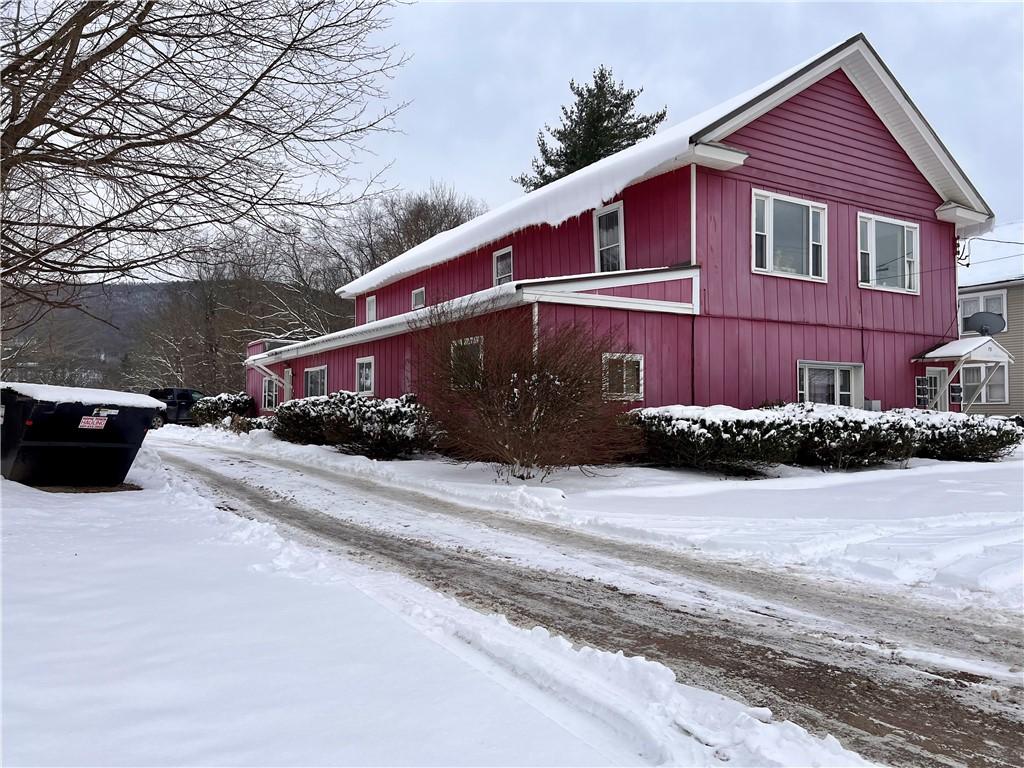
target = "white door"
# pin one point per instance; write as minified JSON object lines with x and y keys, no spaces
{"x":938,"y":384}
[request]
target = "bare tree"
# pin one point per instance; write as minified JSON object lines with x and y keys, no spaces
{"x":134,"y":132}
{"x":382,"y":227}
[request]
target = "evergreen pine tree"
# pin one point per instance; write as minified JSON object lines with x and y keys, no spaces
{"x":599,"y":123}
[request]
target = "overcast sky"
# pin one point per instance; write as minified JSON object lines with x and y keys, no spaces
{"x":484,"y":77}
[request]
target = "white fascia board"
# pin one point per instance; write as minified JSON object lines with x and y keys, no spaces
{"x":866,"y":70}
{"x":967,"y":220}
{"x":608,"y":302}
{"x":595,"y":280}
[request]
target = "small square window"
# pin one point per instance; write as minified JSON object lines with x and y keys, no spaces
{"x":623,"y":376}
{"x":419,"y":298}
{"x":364,"y":375}
{"x":503,"y":266}
{"x":371,"y":308}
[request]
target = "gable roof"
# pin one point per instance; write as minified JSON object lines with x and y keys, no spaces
{"x":696,"y":140}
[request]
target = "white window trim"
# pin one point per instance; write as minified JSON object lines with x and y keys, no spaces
{"x":371,"y":301}
{"x":812,"y":206}
{"x":511,"y":264}
{"x":982,"y":398}
{"x":981,"y":295}
{"x":598,"y":213}
{"x":856,"y":380}
{"x":639,"y":395}
{"x":421,"y":290}
{"x":872,"y":218}
{"x":305,"y":381}
{"x":373,"y":375}
{"x":274,"y":390}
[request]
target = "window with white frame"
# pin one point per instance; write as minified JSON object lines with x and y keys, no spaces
{"x":622,"y":376}
{"x":991,"y":301}
{"x":503,"y":266}
{"x":371,"y":308}
{"x":364,"y":375}
{"x":314,"y":381}
{"x":467,"y":362}
{"x":609,"y":239}
{"x":888,"y":253}
{"x":973,"y":376}
{"x":419,"y":298}
{"x":789,"y":236}
{"x":830,"y":383}
{"x":269,"y":394}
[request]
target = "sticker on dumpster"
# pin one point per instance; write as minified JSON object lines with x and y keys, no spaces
{"x":92,"y":422}
{"x":104,"y":411}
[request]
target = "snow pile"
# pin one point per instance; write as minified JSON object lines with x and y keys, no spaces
{"x":52,"y":394}
{"x":562,"y":199}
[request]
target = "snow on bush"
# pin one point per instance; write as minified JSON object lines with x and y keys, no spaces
{"x":718,"y":438}
{"x":368,"y":426}
{"x":829,"y":436}
{"x":213,"y":410}
{"x":963,"y":437}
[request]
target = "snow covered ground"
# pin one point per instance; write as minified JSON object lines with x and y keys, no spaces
{"x":151,"y":627}
{"x":942,"y":530}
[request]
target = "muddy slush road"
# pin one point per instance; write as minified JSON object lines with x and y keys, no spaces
{"x":826,"y":656}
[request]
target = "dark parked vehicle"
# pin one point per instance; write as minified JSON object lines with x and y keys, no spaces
{"x":179,"y":405}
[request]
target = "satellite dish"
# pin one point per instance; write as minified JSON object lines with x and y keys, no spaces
{"x":985,"y":323}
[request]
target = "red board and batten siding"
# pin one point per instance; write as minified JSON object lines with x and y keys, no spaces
{"x":657,"y":230}
{"x":825,"y":145}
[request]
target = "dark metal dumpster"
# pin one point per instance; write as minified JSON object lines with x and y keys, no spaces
{"x":67,"y":436}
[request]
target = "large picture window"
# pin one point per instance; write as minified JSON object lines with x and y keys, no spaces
{"x":364,"y":375}
{"x":609,"y":239}
{"x":314,"y":381}
{"x":623,"y":376}
{"x":829,"y":383}
{"x":973,"y":376}
{"x":269,"y":394}
{"x":888,"y":253}
{"x":789,"y":236}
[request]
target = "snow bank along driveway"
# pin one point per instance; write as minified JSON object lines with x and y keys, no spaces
{"x":152,"y":627}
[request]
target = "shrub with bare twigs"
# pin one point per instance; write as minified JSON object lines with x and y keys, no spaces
{"x":529,"y":408}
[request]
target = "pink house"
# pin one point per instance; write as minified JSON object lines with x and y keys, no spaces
{"x":797,"y":242}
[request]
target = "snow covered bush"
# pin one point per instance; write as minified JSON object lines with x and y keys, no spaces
{"x":245,"y":424}
{"x":962,"y":437}
{"x":497,"y":397}
{"x":840,"y":437}
{"x":213,"y":410}
{"x":718,"y":438}
{"x":368,"y":426}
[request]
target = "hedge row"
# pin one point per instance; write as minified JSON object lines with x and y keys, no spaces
{"x":213,"y":410}
{"x":733,"y":441}
{"x":379,"y":428}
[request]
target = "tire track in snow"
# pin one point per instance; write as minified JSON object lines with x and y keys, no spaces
{"x":878,"y":708}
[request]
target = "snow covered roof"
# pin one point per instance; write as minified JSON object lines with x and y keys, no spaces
{"x":51,"y":394}
{"x":979,"y":349}
{"x":684,"y":143}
